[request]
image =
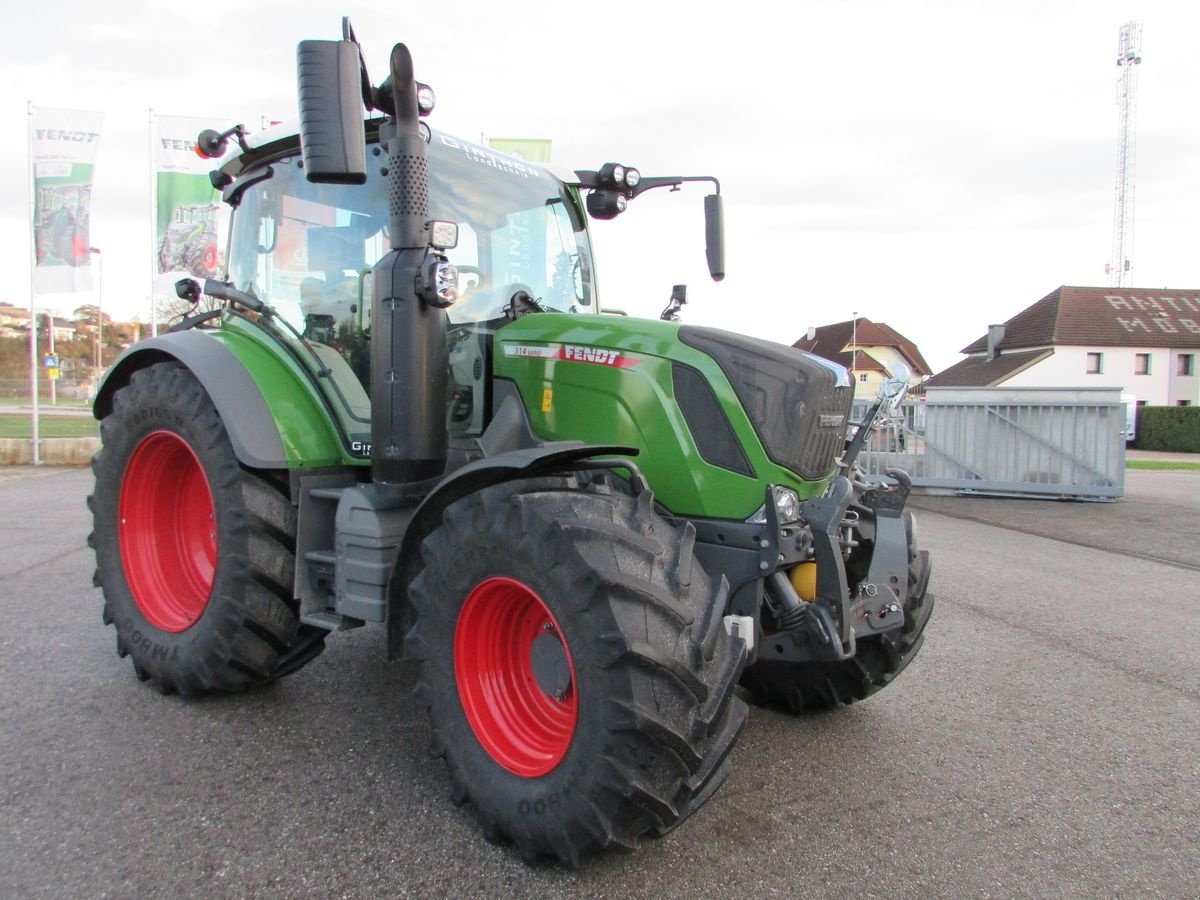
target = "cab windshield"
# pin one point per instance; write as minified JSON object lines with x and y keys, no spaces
{"x":297,"y":244}
{"x":307,"y":250}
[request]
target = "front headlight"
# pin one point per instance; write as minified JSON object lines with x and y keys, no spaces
{"x":438,"y":281}
{"x":787,"y":504}
{"x":787,"y":507}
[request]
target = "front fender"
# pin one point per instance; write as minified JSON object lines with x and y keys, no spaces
{"x":515,"y":464}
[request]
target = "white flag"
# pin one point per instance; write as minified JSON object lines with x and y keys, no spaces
{"x":64,"y":160}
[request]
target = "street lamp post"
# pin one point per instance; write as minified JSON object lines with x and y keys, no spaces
{"x":54,"y":382}
{"x":95,"y":251}
{"x":50,"y":337}
{"x":853,"y":341}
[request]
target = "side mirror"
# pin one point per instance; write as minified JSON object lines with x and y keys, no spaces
{"x":188,"y":289}
{"x":714,"y":235}
{"x":332,"y":139}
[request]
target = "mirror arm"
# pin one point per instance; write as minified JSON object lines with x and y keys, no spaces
{"x":850,"y":457}
{"x":589,"y":179}
{"x":672,"y":181}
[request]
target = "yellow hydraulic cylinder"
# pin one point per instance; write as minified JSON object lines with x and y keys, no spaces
{"x":804,"y":580}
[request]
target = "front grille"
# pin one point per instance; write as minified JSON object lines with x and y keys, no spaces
{"x":793,"y":400}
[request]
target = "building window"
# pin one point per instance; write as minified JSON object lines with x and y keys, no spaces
{"x":1141,"y":364}
{"x":1184,"y":403}
{"x":1183,"y":364}
{"x":862,"y":377}
{"x":1095,"y":363}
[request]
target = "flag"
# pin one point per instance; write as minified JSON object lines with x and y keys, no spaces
{"x":64,"y":144}
{"x":535,"y":150}
{"x":188,"y":216}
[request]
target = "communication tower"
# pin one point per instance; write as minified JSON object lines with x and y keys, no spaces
{"x":1129,"y":57}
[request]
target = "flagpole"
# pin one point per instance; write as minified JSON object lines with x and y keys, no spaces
{"x":50,"y":350}
{"x":153,"y":231}
{"x":33,"y":349}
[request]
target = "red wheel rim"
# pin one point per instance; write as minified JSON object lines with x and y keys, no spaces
{"x":522,"y":727}
{"x":167,"y":531}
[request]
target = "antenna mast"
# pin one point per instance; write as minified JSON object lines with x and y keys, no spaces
{"x":1129,"y":57}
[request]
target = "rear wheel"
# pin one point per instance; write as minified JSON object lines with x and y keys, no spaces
{"x":573,"y":660}
{"x":194,"y":554}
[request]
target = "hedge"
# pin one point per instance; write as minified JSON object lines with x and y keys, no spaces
{"x":1170,"y":428}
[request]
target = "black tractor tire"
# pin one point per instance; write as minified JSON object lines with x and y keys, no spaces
{"x":194,"y":553}
{"x":817,"y":686}
{"x":575,"y":666}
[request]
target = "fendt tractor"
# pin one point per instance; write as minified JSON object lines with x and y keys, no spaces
{"x":406,"y":405}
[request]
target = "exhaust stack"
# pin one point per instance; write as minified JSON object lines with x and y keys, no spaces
{"x":408,"y":336}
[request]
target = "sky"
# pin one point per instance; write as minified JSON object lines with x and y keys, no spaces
{"x":936,"y":165}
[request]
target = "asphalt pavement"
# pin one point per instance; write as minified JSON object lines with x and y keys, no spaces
{"x":1045,"y":743}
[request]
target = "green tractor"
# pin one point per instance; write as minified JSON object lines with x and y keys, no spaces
{"x":410,"y":408}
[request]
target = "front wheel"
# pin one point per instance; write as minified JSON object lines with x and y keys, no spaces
{"x":193,"y":552}
{"x":812,"y":686}
{"x":574,"y":664}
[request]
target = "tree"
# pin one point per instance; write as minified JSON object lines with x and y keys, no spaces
{"x":90,"y":314}
{"x":171,"y":309}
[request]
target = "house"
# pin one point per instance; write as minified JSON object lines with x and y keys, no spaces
{"x":14,"y":315}
{"x":869,"y":349}
{"x":1144,"y":341}
{"x":14,"y":322}
{"x":64,"y":329}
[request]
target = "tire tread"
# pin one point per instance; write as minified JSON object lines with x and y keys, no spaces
{"x":630,"y":581}
{"x":251,"y":619}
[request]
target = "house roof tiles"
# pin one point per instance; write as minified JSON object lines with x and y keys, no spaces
{"x":1103,"y":317}
{"x":978,"y":371}
{"x":829,"y":342}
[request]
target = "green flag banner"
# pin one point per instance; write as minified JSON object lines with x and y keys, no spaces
{"x":188,"y":215}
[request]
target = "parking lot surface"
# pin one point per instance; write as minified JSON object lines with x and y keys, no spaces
{"x":1045,"y":743}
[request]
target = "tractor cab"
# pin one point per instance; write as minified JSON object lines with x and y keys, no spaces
{"x":307,"y":250}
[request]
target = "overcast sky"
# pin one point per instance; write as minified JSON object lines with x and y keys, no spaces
{"x":938,"y":166}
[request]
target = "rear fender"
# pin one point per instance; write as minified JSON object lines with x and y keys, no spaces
{"x":237,"y":397}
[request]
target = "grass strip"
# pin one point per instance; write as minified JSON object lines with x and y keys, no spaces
{"x":1163,"y":465}
{"x":15,"y":425}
